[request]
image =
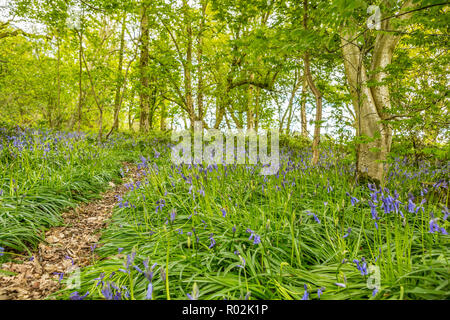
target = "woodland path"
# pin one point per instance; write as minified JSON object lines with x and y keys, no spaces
{"x":64,"y":249}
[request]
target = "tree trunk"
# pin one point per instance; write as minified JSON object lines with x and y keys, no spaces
{"x":200,"y":62}
{"x":220,"y":112}
{"x":80,"y":97}
{"x":144,"y":95}
{"x":119,"y":84}
{"x":303,"y":108}
{"x":162,"y":123}
{"x":257,"y":100}
{"x":316,"y":92}
{"x":58,"y":99}
{"x":318,"y":121}
{"x":188,"y":66}
{"x":371,"y":103}
{"x":288,"y":112}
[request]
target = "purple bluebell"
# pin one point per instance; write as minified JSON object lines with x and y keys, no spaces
{"x":60,"y":274}
{"x":374,"y":292}
{"x":446,"y":213}
{"x":69,"y":258}
{"x":173,"y":214}
{"x":305,"y":295}
{"x":76,"y":296}
{"x":315,"y":217}
{"x":149,"y":291}
{"x":348,"y":233}
{"x":213,"y":242}
{"x":361,"y":266}
{"x":100,"y":279}
{"x":320,"y":291}
{"x":257,"y":239}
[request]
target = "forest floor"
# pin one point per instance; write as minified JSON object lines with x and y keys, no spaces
{"x":66,"y":248}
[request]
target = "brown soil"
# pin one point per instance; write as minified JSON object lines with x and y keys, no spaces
{"x":65,"y":248}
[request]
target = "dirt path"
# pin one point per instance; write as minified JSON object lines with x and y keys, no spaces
{"x":65,"y":248}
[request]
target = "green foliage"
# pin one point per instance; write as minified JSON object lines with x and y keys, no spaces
{"x":43,"y":173}
{"x":179,"y":224}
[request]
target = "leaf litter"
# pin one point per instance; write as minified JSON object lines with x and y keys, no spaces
{"x":66,"y":248}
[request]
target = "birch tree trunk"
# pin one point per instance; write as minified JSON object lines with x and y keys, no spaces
{"x":371,"y":103}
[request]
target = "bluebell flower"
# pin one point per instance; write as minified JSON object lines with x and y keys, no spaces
{"x":241,"y":258}
{"x":60,"y":274}
{"x":254,"y":236}
{"x":373,"y":211}
{"x":224,"y":212}
{"x":173,"y":214}
{"x":76,"y":296}
{"x":213,"y":242}
{"x":305,"y":295}
{"x":348,"y":233}
{"x":69,"y":258}
{"x":320,"y":291}
{"x":411,"y":206}
{"x":434,"y":227}
{"x":315,"y":217}
{"x":2,"y":251}
{"x":374,"y":292}
{"x":107,"y":292}
{"x":445,"y":212}
{"x":148,"y":273}
{"x":362,"y":267}
{"x":353,"y":200}
{"x":149,"y":291}
{"x":100,"y":279}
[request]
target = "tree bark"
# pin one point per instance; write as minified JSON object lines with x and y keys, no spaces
{"x":303,"y":108}
{"x":188,"y":66}
{"x":80,"y":97}
{"x":144,"y":95}
{"x":119,"y":84}
{"x":250,"y":114}
{"x":371,"y":103}
{"x":316,"y":92}
{"x":288,"y":112}
{"x":200,"y":115}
